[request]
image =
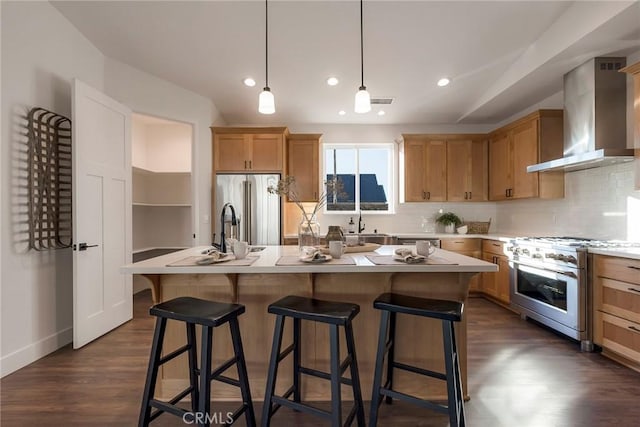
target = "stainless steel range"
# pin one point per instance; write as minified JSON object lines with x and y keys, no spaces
{"x":549,"y":283}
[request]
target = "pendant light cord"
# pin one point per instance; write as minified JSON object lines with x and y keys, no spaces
{"x":266,"y":42}
{"x":361,"y":49}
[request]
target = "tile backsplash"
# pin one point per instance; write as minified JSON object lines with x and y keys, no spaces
{"x":599,"y":203}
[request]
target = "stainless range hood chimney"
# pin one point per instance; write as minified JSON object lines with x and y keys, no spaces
{"x":595,"y":117}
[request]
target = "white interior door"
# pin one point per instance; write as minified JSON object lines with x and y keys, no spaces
{"x":102,"y":297}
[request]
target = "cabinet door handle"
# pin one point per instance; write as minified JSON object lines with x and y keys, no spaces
{"x":633,"y":328}
{"x":465,"y":195}
{"x":428,"y":195}
{"x":424,"y":195}
{"x":315,"y":194}
{"x":250,"y":165}
{"x":633,"y":267}
{"x":470,"y":195}
{"x":634,"y":290}
{"x":245,"y":164}
{"x":506,"y":193}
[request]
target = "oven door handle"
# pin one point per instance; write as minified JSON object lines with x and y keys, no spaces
{"x":560,"y":272}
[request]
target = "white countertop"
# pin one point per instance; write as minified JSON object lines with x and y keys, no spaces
{"x":633,"y":253}
{"x":266,"y":263}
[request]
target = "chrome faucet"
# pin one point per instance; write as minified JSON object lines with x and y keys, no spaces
{"x":234,"y":221}
{"x":360,"y":224}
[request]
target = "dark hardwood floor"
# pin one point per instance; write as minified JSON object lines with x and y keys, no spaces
{"x":520,"y":374}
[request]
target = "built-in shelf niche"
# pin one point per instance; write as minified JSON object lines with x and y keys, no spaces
{"x":161,"y":188}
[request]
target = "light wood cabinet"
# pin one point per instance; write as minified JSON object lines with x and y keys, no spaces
{"x":532,"y":139}
{"x":496,"y":285}
{"x":248,"y":149}
{"x":617,"y":308}
{"x":303,"y":151}
{"x":469,"y":247}
{"x":634,"y":70}
{"x":467,"y":161}
{"x":425,"y":174}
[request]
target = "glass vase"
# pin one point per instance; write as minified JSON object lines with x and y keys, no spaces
{"x":308,"y":232}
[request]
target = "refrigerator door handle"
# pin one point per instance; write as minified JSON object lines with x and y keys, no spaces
{"x":249,"y":212}
{"x":245,"y":209}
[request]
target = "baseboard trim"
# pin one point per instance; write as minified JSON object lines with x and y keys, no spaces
{"x":32,"y":352}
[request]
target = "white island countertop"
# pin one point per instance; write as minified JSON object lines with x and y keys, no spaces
{"x":267,"y":258}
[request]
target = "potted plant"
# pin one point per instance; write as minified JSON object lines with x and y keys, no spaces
{"x":449,"y":220}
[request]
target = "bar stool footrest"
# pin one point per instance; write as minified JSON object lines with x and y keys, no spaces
{"x":301,"y":407}
{"x":414,"y":400}
{"x":421,"y":371}
{"x":323,"y":375}
{"x":166,"y":407}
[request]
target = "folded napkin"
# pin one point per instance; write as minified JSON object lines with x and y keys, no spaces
{"x":311,"y":253}
{"x":407,"y":256}
{"x":215,"y":254}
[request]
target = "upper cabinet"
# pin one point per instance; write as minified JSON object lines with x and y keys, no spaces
{"x":248,"y":149}
{"x":467,"y":160}
{"x":303,"y":152}
{"x":634,"y":70}
{"x":532,"y":139}
{"x":450,"y":167}
{"x":425,"y":172}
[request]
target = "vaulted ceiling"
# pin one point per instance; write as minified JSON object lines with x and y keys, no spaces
{"x":501,"y":56}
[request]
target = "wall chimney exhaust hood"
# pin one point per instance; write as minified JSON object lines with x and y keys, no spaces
{"x":595,"y":117}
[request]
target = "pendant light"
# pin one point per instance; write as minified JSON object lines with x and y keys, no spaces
{"x":266,"y":102}
{"x":363,"y":100}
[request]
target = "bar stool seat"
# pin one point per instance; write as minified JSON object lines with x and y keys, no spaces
{"x":209,"y":315}
{"x":448,"y":312}
{"x":335,"y":314}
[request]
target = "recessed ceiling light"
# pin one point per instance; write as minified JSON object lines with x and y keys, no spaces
{"x":381,"y":113}
{"x":443,"y":82}
{"x":342,"y":112}
{"x":332,"y":81}
{"x":249,"y":82}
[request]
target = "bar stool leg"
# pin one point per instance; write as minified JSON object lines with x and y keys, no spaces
{"x":297,"y":355}
{"x":242,"y":372}
{"x":152,"y":371}
{"x":452,"y":379}
{"x":204,"y":405}
{"x":377,"y":378}
{"x":273,"y":371}
{"x":391,"y":355}
{"x":193,"y":365}
{"x":336,"y":400}
{"x":355,"y":376}
{"x":458,"y":376}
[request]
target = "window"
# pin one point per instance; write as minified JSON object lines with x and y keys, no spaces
{"x":359,"y":178}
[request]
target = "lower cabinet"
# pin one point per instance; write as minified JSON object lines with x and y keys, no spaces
{"x":469,"y":247}
{"x":496,"y":285}
{"x":616,"y":287}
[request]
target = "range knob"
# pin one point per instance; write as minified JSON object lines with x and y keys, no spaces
{"x":525,"y":251}
{"x":536,"y":255}
{"x":550,"y":255}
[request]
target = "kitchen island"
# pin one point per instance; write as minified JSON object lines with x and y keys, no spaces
{"x":419,"y":340}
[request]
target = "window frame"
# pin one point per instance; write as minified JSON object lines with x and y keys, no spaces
{"x":392,"y":167}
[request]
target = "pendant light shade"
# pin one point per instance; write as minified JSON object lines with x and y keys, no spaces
{"x":266,"y":102}
{"x":363,"y":100}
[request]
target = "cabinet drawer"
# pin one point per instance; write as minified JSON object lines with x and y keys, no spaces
{"x":624,"y":269}
{"x":493,"y":246}
{"x":461,"y":245}
{"x":620,"y":336}
{"x":618,"y":298}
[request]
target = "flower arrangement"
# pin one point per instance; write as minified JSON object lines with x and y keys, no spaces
{"x":286,"y":187}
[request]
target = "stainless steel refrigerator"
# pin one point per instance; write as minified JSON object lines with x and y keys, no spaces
{"x":257,"y":210}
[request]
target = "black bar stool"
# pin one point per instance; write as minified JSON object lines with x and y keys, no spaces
{"x":335,"y":314}
{"x":209,"y":315}
{"x":448,"y":312}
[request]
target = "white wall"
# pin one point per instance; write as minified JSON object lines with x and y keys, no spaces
{"x":41,"y":54}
